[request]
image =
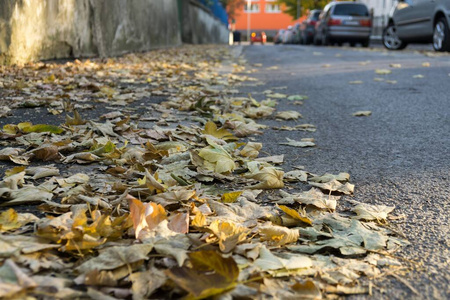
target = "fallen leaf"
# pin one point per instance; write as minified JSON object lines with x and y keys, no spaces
{"x":383,"y":71}
{"x":302,"y":143}
{"x":288,"y":115}
{"x":115,"y":257}
{"x":362,"y":113}
{"x":277,"y":235}
{"x":314,"y":197}
{"x":335,"y":186}
{"x":251,"y":150}
{"x":210,"y":275}
{"x":371,"y":212}
{"x":267,"y":261}
{"x":270,"y":177}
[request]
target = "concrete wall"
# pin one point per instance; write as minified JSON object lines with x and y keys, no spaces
{"x":47,"y":29}
{"x":199,"y":26}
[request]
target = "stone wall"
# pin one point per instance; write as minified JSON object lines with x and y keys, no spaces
{"x":49,"y":29}
{"x":198,"y":26}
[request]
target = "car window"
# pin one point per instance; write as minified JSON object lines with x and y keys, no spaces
{"x":315,"y":16}
{"x":356,"y":10}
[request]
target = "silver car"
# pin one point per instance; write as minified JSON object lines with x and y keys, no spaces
{"x":418,"y":21}
{"x":344,"y":21}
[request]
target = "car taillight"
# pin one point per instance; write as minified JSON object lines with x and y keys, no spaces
{"x":312,"y":22}
{"x":333,"y":22}
{"x":365,"y":23}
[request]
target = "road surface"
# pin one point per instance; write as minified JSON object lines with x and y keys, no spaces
{"x":400,"y":155}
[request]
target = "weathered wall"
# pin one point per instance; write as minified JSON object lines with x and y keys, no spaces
{"x":47,"y":29}
{"x":198,"y":26}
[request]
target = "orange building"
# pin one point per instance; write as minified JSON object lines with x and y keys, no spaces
{"x":265,"y":15}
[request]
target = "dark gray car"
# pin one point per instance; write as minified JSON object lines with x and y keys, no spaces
{"x":307,"y":27}
{"x":342,"y":22}
{"x":418,"y":21}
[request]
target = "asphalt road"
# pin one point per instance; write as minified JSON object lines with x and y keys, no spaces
{"x":400,"y":155}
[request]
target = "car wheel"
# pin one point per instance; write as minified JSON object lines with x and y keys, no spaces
{"x":441,"y":36}
{"x":365,"y":43}
{"x":391,"y":41}
{"x":352,"y":44}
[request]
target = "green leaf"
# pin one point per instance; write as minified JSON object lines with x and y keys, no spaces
{"x":41,"y":128}
{"x":211,"y":274}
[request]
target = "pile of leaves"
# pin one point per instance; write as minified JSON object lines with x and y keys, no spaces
{"x":171,"y":197}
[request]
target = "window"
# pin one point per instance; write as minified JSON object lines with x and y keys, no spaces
{"x":356,"y":10}
{"x":272,"y":8}
{"x":254,"y":8}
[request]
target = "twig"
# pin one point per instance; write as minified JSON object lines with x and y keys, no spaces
{"x":406,"y":283}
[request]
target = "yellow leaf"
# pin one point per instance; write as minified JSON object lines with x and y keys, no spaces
{"x":220,"y":160}
{"x":228,"y":233}
{"x":270,"y":178}
{"x":251,"y":150}
{"x":199,"y":220}
{"x":230,"y":197}
{"x":210,"y":275}
{"x":222,"y":133}
{"x":278,"y":235}
{"x":15,"y":170}
{"x":295,"y":214}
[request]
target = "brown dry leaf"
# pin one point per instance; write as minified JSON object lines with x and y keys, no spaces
{"x":295,"y":214}
{"x":146,"y":282}
{"x":76,"y":120}
{"x":228,"y":233}
{"x":296,"y":175}
{"x":288,"y":115}
{"x":307,"y":142}
{"x":383,"y":71}
{"x":267,"y":261}
{"x":115,"y":257}
{"x":251,"y":150}
{"x":222,"y":133}
{"x":362,"y":113}
{"x":210,"y":275}
{"x":10,"y":220}
{"x":13,"y":280}
{"x":277,"y":235}
{"x":259,"y":112}
{"x":179,"y":223}
{"x":219,"y":159}
{"x":270,"y":177}
{"x":335,"y":186}
{"x":314,"y":197}
{"x":230,"y":197}
{"x":371,"y":212}
{"x":145,"y":216}
{"x":327,"y":177}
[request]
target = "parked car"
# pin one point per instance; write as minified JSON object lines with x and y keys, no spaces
{"x":278,"y":38}
{"x":342,"y":22}
{"x":295,"y":39}
{"x":307,"y":27}
{"x":258,"y":37}
{"x":287,"y":35}
{"x":418,"y":21}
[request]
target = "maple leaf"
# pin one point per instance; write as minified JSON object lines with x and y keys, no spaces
{"x":211,"y":274}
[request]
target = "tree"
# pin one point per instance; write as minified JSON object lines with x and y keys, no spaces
{"x":233,"y":6}
{"x":306,"y":5}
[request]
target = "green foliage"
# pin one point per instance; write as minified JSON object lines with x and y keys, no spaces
{"x":290,"y":6}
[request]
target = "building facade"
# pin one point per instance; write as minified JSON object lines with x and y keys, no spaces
{"x":381,"y":9}
{"x":263,"y":15}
